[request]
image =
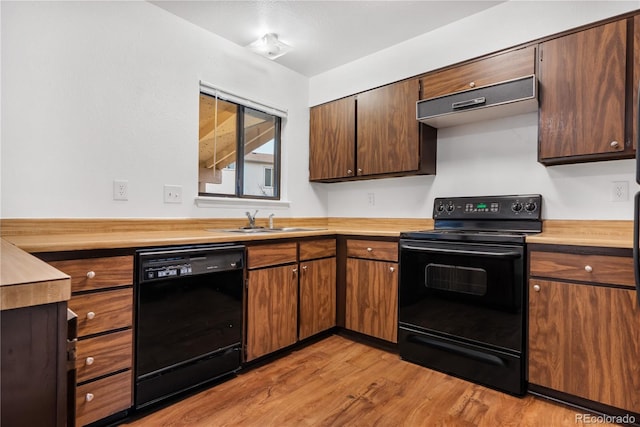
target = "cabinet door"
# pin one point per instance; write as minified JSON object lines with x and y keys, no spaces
{"x":372,"y":298}
{"x":332,"y":140}
{"x":585,"y":340}
{"x":582,"y":94}
{"x":272,"y":310}
{"x":388,"y":132}
{"x":317,"y":296}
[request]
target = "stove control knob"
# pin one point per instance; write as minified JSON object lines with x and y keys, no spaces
{"x":516,"y":207}
{"x":450,"y":207}
{"x":530,"y":206}
{"x":440,"y":207}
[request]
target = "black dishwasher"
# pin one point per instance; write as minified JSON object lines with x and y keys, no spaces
{"x":188,"y":318}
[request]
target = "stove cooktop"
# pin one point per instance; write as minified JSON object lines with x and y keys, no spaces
{"x":500,"y":219}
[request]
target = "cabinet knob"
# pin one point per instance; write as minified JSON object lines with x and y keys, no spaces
{"x":536,"y":288}
{"x":359,"y":170}
{"x":91,"y":315}
{"x":472,"y":84}
{"x":91,"y":274}
{"x":304,"y":268}
{"x":89,"y":397}
{"x":588,"y":268}
{"x":89,"y":360}
{"x":392,"y":269}
{"x":349,"y":172}
{"x":614,"y":144}
{"x":369,"y":249}
{"x":295,"y":270}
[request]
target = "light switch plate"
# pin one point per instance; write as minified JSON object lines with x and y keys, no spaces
{"x":120,"y":189}
{"x":173,"y":193}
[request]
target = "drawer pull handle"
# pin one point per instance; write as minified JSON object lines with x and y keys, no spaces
{"x":588,"y":268}
{"x":89,"y":360}
{"x":536,"y":288}
{"x":91,"y":315}
{"x":369,"y":249}
{"x":392,"y":269}
{"x":91,"y":274}
{"x":89,"y":397}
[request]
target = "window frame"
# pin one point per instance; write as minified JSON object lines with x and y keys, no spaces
{"x":242,"y":105}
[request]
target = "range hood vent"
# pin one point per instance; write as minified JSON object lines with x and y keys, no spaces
{"x":503,"y":99}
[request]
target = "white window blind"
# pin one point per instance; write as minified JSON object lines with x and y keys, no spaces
{"x":209,"y":89}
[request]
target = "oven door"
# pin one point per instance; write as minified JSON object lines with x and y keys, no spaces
{"x":464,"y":291}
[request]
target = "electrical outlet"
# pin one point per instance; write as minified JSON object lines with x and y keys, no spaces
{"x":619,"y":191}
{"x":120,"y":189}
{"x":371,"y":199}
{"x":173,"y":193}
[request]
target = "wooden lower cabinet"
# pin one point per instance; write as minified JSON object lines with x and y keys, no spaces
{"x":584,"y":340}
{"x":372,"y":298}
{"x":272,"y":309}
{"x":317,"y":296}
{"x":102,"y":297}
{"x":101,"y":398}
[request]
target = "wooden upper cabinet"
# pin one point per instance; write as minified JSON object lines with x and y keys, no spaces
{"x":582,"y":83}
{"x":483,"y":72}
{"x":332,"y":138}
{"x":635,"y":80}
{"x":387,"y":131}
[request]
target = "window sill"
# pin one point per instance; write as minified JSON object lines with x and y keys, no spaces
{"x":229,"y":202}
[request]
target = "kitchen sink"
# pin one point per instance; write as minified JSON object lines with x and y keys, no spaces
{"x":259,"y":230}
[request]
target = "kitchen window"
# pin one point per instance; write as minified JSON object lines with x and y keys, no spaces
{"x":239,"y":147}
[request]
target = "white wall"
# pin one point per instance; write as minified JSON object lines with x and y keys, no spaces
{"x":97,"y":91}
{"x":495,"y":157}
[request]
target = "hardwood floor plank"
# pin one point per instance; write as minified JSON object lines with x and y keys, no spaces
{"x":339,"y":382}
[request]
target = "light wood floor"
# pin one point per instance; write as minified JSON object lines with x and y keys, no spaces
{"x":339,"y":382}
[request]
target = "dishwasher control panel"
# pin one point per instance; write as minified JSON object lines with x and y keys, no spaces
{"x":170,"y":263}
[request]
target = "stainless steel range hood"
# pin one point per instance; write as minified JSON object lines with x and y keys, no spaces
{"x":502,"y":99}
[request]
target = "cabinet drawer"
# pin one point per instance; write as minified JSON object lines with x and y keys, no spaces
{"x":104,"y":354}
{"x":494,"y":69}
{"x":103,"y":311}
{"x":317,"y":249}
{"x":589,"y":268}
{"x":99,"y":399}
{"x":372,"y":249}
{"x":266,"y":255}
{"x":97,"y":273}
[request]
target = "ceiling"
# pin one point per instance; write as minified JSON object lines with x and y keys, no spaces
{"x":323,"y":34}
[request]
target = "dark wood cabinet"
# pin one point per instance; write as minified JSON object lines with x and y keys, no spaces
{"x":584,"y":327}
{"x":371,"y":305}
{"x":34,"y":366}
{"x":272,"y":309}
{"x":317,"y":296}
{"x":332,"y":140}
{"x":102,"y":297}
{"x":584,"y":101}
{"x":483,"y":72}
{"x":272,"y":298}
{"x":371,"y":135}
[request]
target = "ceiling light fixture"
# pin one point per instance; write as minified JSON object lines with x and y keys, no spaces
{"x":269,"y":46}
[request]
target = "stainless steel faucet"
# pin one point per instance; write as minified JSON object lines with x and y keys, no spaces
{"x":271,"y":220}
{"x":252,"y":218}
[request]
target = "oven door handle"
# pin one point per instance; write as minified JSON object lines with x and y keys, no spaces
{"x":503,"y":255}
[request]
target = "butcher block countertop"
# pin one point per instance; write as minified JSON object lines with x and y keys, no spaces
{"x":27,"y":281}
{"x":609,"y":234}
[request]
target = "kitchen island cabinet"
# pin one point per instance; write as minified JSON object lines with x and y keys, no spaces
{"x":584,"y":327}
{"x":372,"y":288}
{"x":373,"y":134}
{"x":585,"y":101}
